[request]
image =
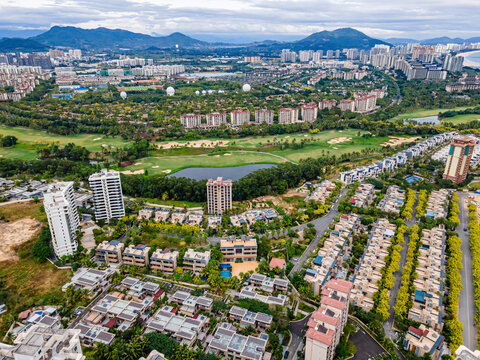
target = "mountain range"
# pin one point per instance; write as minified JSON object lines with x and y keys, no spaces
{"x":434,"y":41}
{"x":114,"y":39}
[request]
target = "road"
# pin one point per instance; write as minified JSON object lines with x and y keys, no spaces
{"x":388,"y":325}
{"x":298,"y":330}
{"x":466,"y":312}
{"x":321,"y":225}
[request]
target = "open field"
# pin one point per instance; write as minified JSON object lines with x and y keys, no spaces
{"x":425,"y":112}
{"x":17,"y":211}
{"x":461,"y":119}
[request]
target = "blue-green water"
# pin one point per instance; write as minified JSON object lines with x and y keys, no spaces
{"x":472,"y":58}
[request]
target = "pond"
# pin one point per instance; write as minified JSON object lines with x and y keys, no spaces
{"x":233,"y":173}
{"x":424,"y":120}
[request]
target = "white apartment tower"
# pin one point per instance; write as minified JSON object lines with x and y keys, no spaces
{"x":219,"y":195}
{"x":107,"y":195}
{"x":59,"y":204}
{"x":240,"y":117}
{"x":287,"y":116}
{"x":262,"y":116}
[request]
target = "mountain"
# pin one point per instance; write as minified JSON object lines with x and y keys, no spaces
{"x":23,"y":34}
{"x":103,"y":38}
{"x":16,"y":44}
{"x":401,"y":41}
{"x":442,"y":40}
{"x":336,"y":39}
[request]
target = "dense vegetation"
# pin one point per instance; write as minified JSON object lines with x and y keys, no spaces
{"x":475,"y":248}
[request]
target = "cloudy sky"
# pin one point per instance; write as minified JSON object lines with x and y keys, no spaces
{"x":251,"y":19}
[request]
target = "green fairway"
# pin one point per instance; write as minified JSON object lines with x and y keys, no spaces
{"x":166,"y":165}
{"x":29,"y":140}
{"x":461,"y":119}
{"x":426,"y":112}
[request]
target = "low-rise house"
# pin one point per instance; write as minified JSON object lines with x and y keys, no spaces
{"x":136,"y":255}
{"x":277,"y":263}
{"x":162,"y":215}
{"x":164,"y":260}
{"x":195,"y":219}
{"x":109,"y":252}
{"x":423,"y":340}
{"x":146,"y":213}
{"x":196,"y":261}
{"x":267,"y":283}
{"x":239,"y":250}
{"x":214,"y":221}
{"x":92,"y":280}
{"x":191,"y":304}
{"x":248,"y":292}
{"x":249,"y":318}
{"x":94,"y":334}
{"x":178,"y":217}
{"x":321,"y":191}
{"x":393,"y":200}
{"x":363,"y":196}
{"x":238,"y":220}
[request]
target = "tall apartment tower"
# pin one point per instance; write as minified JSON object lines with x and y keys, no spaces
{"x":107,"y":195}
{"x":458,"y":161}
{"x":219,"y":195}
{"x":59,"y":204}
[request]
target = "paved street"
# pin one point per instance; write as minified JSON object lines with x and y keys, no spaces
{"x":297,"y":329}
{"x":466,"y":306}
{"x":367,"y":347}
{"x":321,"y":224}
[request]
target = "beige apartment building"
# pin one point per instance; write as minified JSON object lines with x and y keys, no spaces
{"x":195,"y":261}
{"x":239,"y":250}
{"x":136,"y":255}
{"x":164,"y":261}
{"x":219,"y":195}
{"x":109,"y":252}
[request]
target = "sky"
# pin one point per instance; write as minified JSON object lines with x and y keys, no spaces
{"x":251,"y":19}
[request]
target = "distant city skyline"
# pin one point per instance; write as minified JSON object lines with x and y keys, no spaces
{"x":249,"y":20}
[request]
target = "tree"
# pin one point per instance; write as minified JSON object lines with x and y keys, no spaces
{"x":8,"y":141}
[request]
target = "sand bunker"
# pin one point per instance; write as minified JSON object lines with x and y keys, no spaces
{"x":227,"y":154}
{"x":168,"y":171}
{"x":15,"y":233}
{"x":395,"y":141}
{"x":339,"y":140}
{"x":136,"y":172}
{"x":155,"y":167}
{"x":139,"y":163}
{"x":216,"y":155}
{"x":96,"y":139}
{"x":194,"y":144}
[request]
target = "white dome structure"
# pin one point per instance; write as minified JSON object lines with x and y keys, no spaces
{"x":197,"y":92}
{"x":210,"y":91}
{"x":123,"y":95}
{"x":246,"y":87}
{"x":204,"y":92}
{"x":170,"y":91}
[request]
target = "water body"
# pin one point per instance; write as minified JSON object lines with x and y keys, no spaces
{"x":211,"y":74}
{"x":424,"y":120}
{"x":233,"y":173}
{"x":472,"y":59}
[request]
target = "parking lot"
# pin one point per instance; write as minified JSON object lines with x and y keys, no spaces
{"x":367,"y":347}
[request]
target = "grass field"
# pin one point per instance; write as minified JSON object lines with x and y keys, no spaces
{"x":461,"y":119}
{"x":425,"y":112}
{"x":187,"y":204}
{"x":16,"y":211}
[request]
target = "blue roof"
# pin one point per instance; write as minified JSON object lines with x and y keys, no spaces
{"x":311,"y":272}
{"x":420,"y":296}
{"x":318,"y":260}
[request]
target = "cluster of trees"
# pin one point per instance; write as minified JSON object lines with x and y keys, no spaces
{"x":69,"y":152}
{"x":454,"y":210}
{"x":404,"y":296}
{"x":475,"y":248}
{"x":8,"y":141}
{"x":41,"y":250}
{"x":407,"y":210}
{"x":392,"y":265}
{"x":422,"y":202}
{"x":453,"y":327}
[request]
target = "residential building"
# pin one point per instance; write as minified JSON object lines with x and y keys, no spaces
{"x":239,"y":250}
{"x":264,"y":116}
{"x":287,"y":116}
{"x":325,"y":325}
{"x":250,"y":319}
{"x":191,"y":120}
{"x":136,"y":255}
{"x":240,"y":117}
{"x":39,"y":343}
{"x":363,"y":196}
{"x":154,"y":355}
{"x":195,"y":261}
{"x":327,"y":104}
{"x":347,"y":105}
{"x":109,"y":252}
{"x":288,"y":56}
{"x":216,"y":119}
{"x":268,"y":284}
{"x":146,"y":213}
{"x":107,"y":195}
{"x":191,"y":304}
{"x":226,"y":343}
{"x":277,"y":263}
{"x":93,"y":280}
{"x":423,"y":340}
{"x":94,"y":334}
{"x":63,"y":220}
{"x":248,"y":292}
{"x":393,"y":200}
{"x":164,"y":260}
{"x":322,"y":191}
{"x":459,"y":157}
{"x":464,"y":353}
{"x":309,"y":112}
{"x":219,"y":195}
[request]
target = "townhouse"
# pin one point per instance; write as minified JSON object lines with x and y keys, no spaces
{"x":238,"y":250}
{"x":393,"y":200}
{"x":368,"y":271}
{"x":146,"y":213}
{"x":92,"y":280}
{"x":190,"y":304}
{"x":109,"y":252}
{"x":248,"y":292}
{"x":423,"y":341}
{"x":437,"y":204}
{"x":164,"y":260}
{"x":250,"y":319}
{"x":322,"y":191}
{"x":136,"y":255}
{"x":268,"y":284}
{"x":196,"y":261}
{"x":162,"y":215}
{"x":363,"y":196}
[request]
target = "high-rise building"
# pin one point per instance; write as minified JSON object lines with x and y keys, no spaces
{"x":459,"y":157}
{"x":219,"y":195}
{"x":216,"y":119}
{"x":59,"y":204}
{"x":326,"y":325}
{"x":191,"y":120}
{"x":309,"y":112}
{"x":288,"y":56}
{"x":107,"y":195}
{"x":262,"y":116}
{"x":239,"y":117}
{"x":287,"y":116}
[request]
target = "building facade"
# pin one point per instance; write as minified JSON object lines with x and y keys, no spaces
{"x":264,"y":116}
{"x":287,"y":116}
{"x":107,"y":195}
{"x":195,"y":261}
{"x":239,"y":117}
{"x":239,"y":250}
{"x":458,"y":161}
{"x":309,"y":112}
{"x":191,"y":120}
{"x":59,"y":203}
{"x":219,"y":195}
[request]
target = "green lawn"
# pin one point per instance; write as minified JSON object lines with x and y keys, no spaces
{"x":187,"y":204}
{"x":461,"y":119}
{"x":426,"y":112}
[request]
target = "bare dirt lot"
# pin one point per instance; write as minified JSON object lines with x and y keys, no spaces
{"x":13,"y":234}
{"x":136,"y":172}
{"x":339,"y":140}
